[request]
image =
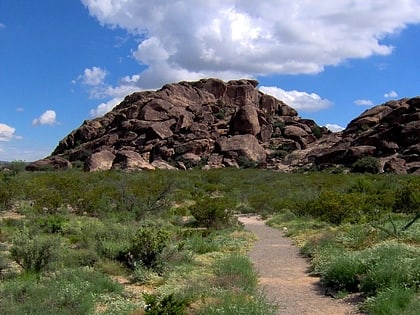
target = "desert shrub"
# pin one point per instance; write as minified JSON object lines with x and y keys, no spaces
{"x":17,"y":167}
{"x":34,"y":253}
{"x":6,"y":195}
{"x":48,"y":200}
{"x":407,"y":197}
{"x":236,"y":271}
{"x":343,"y":272}
{"x":317,"y":132}
{"x":143,"y":275}
{"x":366,"y":165}
{"x":50,"y":223}
{"x":371,"y":270}
{"x":394,"y":300}
{"x":245,"y":162}
{"x":213,"y":212}
{"x":166,"y":305}
{"x":322,"y":251}
{"x":336,"y":207}
{"x":140,"y":200}
{"x":278,"y":153}
{"x":357,"y":236}
{"x":108,"y":239}
{"x":200,"y":245}
{"x":70,"y":291}
{"x":390,"y":264}
{"x":148,"y":244}
{"x":80,"y":257}
{"x":231,"y":303}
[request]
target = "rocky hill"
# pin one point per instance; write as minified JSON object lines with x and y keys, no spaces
{"x":213,"y":124}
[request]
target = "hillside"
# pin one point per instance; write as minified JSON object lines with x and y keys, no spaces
{"x":213,"y":124}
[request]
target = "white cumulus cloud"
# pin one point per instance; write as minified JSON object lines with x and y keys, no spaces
{"x":362,"y":102}
{"x":391,"y":94}
{"x":334,"y":127}
{"x":49,"y":117}
{"x":105,"y":107}
{"x":7,"y":133}
{"x":309,"y":102}
{"x":93,"y":76}
{"x":256,"y":37}
{"x":184,"y":40}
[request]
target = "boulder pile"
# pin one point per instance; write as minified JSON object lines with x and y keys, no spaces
{"x":213,"y":124}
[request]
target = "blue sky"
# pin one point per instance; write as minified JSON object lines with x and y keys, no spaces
{"x":62,"y":62}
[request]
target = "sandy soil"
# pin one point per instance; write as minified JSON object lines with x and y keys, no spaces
{"x":284,"y":275}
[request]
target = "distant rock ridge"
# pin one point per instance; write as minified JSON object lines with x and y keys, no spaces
{"x":213,"y":124}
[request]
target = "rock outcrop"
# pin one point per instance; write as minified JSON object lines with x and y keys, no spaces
{"x":212,"y":124}
{"x":208,"y":122}
{"x":389,"y":132}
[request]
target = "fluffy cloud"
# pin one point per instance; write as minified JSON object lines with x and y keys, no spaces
{"x":180,"y":40}
{"x":93,"y":76}
{"x":334,"y":127}
{"x":309,"y":102}
{"x":362,"y":102}
{"x":105,"y":107}
{"x":251,"y":37}
{"x":47,"y":118}
{"x":127,"y":86}
{"x":7,"y":133}
{"x":391,"y":94}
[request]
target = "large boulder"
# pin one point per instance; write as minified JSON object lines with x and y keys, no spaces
{"x":243,"y":145}
{"x":52,"y":162}
{"x":100,"y":161}
{"x":245,"y":121}
{"x":131,"y":160}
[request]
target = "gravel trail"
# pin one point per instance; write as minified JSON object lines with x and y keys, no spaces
{"x":284,"y":275}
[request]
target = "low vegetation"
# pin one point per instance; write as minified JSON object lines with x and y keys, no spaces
{"x":168,"y":242}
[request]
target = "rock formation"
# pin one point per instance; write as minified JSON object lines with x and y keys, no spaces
{"x":389,"y":132}
{"x":212,"y":124}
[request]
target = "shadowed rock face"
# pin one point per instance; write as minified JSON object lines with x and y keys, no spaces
{"x":214,"y":124}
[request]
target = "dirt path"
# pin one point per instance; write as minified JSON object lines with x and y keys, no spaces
{"x":284,"y":275}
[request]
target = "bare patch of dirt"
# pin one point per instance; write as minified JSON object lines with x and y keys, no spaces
{"x":12,"y":215}
{"x":284,"y":275}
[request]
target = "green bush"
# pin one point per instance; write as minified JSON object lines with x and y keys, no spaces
{"x":394,"y":300}
{"x":407,"y":197}
{"x":50,"y":223}
{"x":245,"y":162}
{"x":213,"y":212}
{"x":366,"y":165}
{"x":390,"y":264}
{"x":166,"y":305}
{"x":201,"y":245}
{"x":68,"y":292}
{"x":336,"y":207}
{"x":236,"y":271}
{"x":343,"y":273}
{"x":34,"y":253}
{"x":232,"y":303}
{"x":6,"y":196}
{"x":148,"y":244}
{"x":108,"y":239}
